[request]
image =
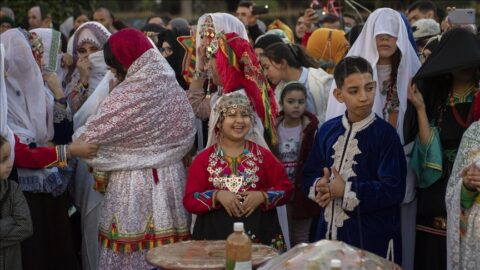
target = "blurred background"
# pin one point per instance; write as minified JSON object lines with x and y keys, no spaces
{"x":134,"y":13}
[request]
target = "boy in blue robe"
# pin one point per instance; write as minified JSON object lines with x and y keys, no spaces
{"x":356,"y":170}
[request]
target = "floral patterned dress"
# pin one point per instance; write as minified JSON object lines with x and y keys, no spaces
{"x":144,"y":129}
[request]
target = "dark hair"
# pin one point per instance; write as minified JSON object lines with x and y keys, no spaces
{"x":353,"y":34}
{"x":330,"y":18}
{"x":423,"y":6}
{"x":290,"y":87}
{"x":295,"y":55}
{"x":117,"y":24}
{"x":79,"y":12}
{"x":266,"y":40}
{"x":395,"y":63}
{"x":112,"y":61}
{"x":245,"y":3}
{"x":44,"y":10}
{"x":3,"y":141}
{"x":350,"y":65}
{"x":153,"y":16}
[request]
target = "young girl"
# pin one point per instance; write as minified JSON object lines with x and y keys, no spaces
{"x":296,"y":130}
{"x":288,"y":62}
{"x":242,"y":180}
{"x":15,"y":221}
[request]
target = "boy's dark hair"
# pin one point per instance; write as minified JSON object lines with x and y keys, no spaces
{"x":245,"y":3}
{"x":292,"y":86}
{"x":294,"y":55}
{"x":350,"y":65}
{"x":423,"y":5}
{"x":112,"y":61}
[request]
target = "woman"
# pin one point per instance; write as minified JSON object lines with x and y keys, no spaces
{"x":237,"y":69}
{"x":174,"y":52}
{"x":289,"y":62}
{"x":82,"y":78}
{"x":44,"y":188}
{"x":144,"y":128}
{"x":448,"y":86}
{"x":79,"y":17}
{"x":48,"y":41}
{"x":328,"y":47}
{"x":463,"y":202}
{"x":200,"y":90}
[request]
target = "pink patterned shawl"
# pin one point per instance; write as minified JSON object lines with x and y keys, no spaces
{"x":145,"y":122}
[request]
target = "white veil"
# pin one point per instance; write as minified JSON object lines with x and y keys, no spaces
{"x":382,"y":21}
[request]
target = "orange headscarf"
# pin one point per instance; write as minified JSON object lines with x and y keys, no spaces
{"x":328,"y":45}
{"x":277,"y":24}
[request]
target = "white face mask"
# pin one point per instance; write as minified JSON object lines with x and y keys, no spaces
{"x":97,"y":61}
{"x":346,"y":29}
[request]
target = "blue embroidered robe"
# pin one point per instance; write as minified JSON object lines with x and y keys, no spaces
{"x":370,"y":158}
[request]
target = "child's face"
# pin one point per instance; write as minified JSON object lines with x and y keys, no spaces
{"x":272,"y":71}
{"x":386,"y":45}
{"x":235,"y":125}
{"x":358,"y":94}
{"x":294,"y":104}
{"x":5,"y":163}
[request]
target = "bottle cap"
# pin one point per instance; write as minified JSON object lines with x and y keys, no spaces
{"x":238,"y":227}
{"x":335,"y":263}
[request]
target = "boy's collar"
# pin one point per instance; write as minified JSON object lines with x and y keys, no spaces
{"x":357,"y":126}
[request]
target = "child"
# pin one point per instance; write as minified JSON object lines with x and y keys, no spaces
{"x":15,"y":222}
{"x":384,"y":43}
{"x":288,"y":62}
{"x":296,"y":129}
{"x":236,"y":180}
{"x":356,"y":170}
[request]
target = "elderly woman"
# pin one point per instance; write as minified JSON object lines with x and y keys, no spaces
{"x":144,"y":128}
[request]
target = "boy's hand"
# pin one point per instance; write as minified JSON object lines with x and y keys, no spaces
{"x":337,"y":186}
{"x":323,"y":196}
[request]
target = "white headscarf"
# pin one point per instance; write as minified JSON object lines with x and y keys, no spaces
{"x":223,"y":22}
{"x":52,"y":42}
{"x":382,"y":21}
{"x":98,"y":35}
{"x":27,"y":96}
{"x":5,"y":131}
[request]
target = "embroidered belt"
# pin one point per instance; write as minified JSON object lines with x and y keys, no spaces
{"x":438,"y":226}
{"x":440,"y":223}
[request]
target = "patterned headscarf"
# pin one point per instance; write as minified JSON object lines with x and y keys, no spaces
{"x":93,"y":32}
{"x":238,"y":67}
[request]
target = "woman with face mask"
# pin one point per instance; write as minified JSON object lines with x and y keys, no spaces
{"x":82,"y":78}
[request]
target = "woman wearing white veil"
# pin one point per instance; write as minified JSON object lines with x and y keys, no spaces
{"x":30,"y":110}
{"x":390,"y":99}
{"x":89,"y":66}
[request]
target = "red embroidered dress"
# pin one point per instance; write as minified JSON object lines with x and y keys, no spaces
{"x":255,"y":169}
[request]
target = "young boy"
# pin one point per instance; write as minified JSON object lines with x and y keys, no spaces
{"x":356,"y":170}
{"x":15,"y":221}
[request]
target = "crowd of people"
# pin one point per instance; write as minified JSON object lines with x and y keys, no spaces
{"x":360,"y":127}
